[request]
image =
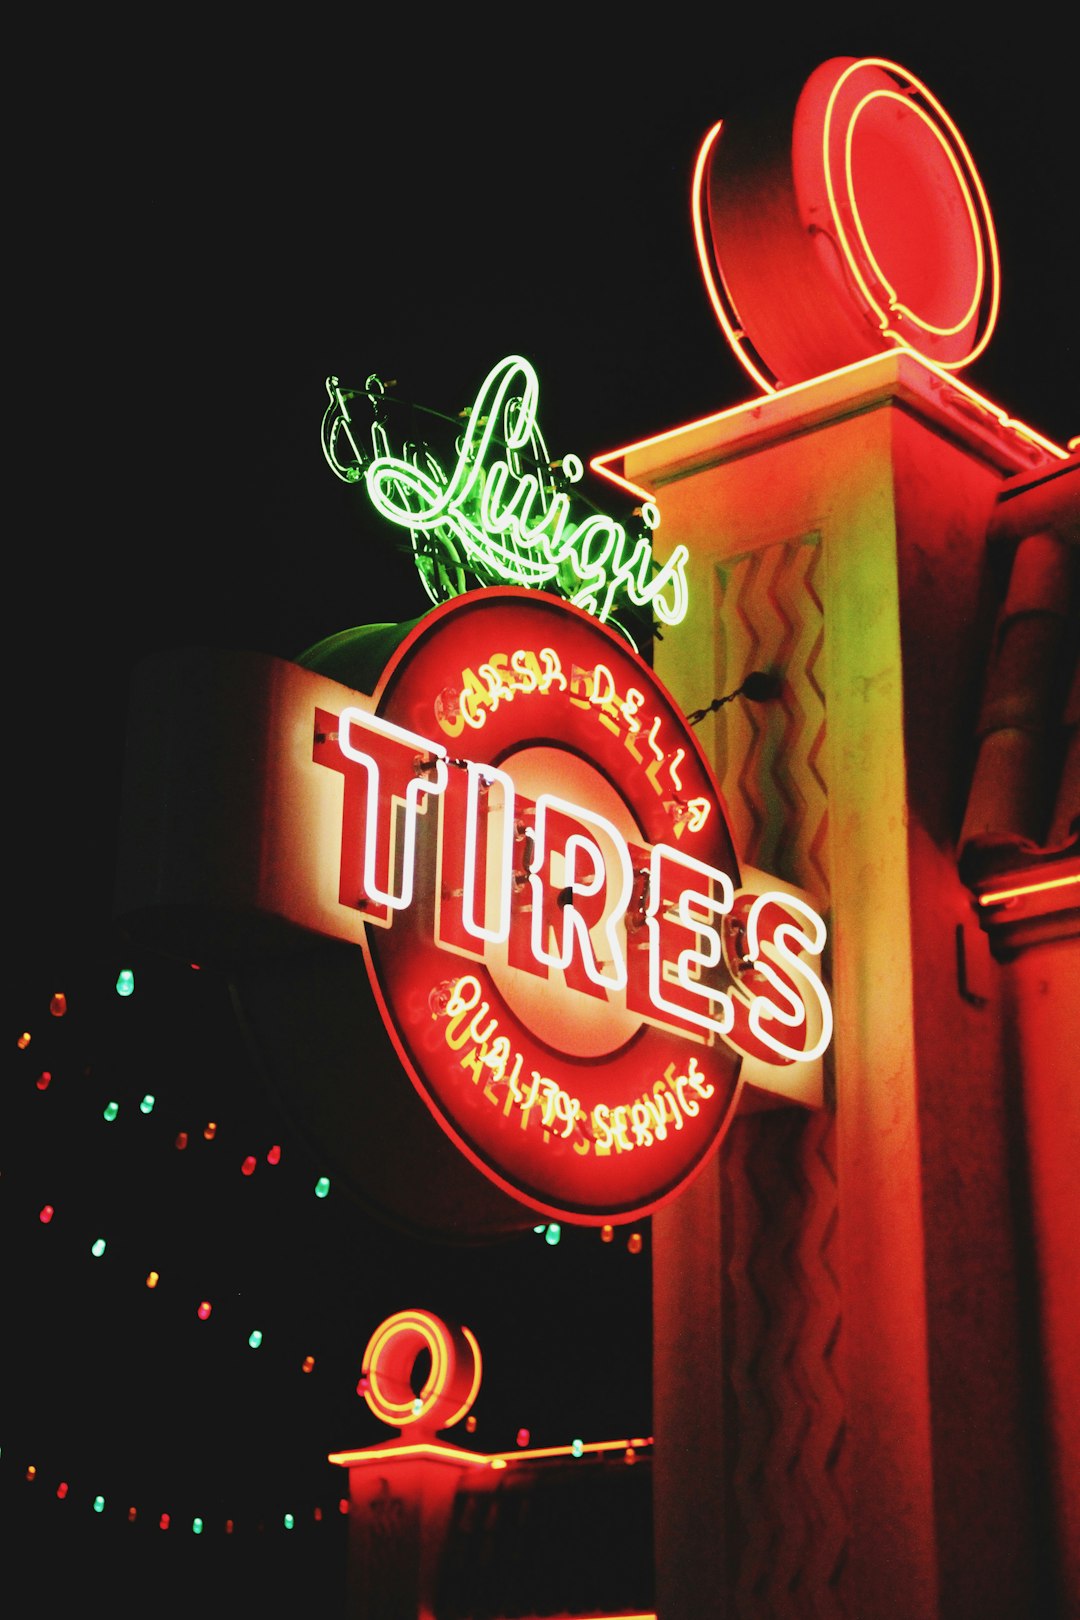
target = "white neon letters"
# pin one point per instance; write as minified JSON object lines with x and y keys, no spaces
{"x":790,"y":1010}
{"x":690,"y":902}
{"x":576,"y":873}
{"x":380,"y":845}
{"x":550,"y":812}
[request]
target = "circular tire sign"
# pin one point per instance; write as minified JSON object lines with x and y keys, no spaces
{"x":542,"y":859}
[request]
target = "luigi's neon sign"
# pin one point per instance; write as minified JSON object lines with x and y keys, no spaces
{"x":503,"y":513}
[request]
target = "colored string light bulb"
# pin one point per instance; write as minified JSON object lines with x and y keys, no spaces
{"x":23,"y":1041}
{"x":248,"y":1166}
{"x":553,"y":1233}
{"x":204,"y":1310}
{"x":255,"y":1338}
{"x":147,"y":1104}
{"x":62,"y":1489}
{"x":133,"y":1514}
{"x":45,"y":1214}
{"x":523,"y":1437}
{"x":181,"y":1140}
{"x":470,"y":1423}
{"x":152,"y":1279}
{"x":274,"y":1155}
{"x":110,"y":1111}
{"x":633,"y":1243}
{"x":197,"y":1527}
{"x":577,"y":1448}
{"x":606,"y":1233}
{"x":58,"y":1004}
{"x":210,"y":1130}
{"x":97,"y":1248}
{"x":307,"y":1364}
{"x":164,"y":1521}
{"x":125,"y":982}
{"x":288,"y":1521}
{"x":31,"y":1472}
{"x":322,"y":1186}
{"x":99,"y":1504}
{"x":43,"y":1079}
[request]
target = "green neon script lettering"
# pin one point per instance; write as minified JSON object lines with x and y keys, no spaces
{"x":498,"y":512}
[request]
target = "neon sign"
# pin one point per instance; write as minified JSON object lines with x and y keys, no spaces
{"x":556,"y":931}
{"x":452,"y":1379}
{"x":885,"y":237}
{"x":501,"y":514}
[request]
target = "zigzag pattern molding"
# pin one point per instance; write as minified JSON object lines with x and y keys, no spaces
{"x":786,"y":1488}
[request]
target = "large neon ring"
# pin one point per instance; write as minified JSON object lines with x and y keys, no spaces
{"x":844,"y":223}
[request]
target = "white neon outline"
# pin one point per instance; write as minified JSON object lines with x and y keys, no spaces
{"x":795,"y":1015}
{"x":573,"y":924}
{"x":481,"y":777}
{"x":385,"y":728}
{"x":708,"y":958}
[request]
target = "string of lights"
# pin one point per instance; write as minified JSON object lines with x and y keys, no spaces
{"x":215,"y":1146}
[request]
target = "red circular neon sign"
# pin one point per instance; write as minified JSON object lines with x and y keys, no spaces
{"x":854,"y":223}
{"x":515,"y":977}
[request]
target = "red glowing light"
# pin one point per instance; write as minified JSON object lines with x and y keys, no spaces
{"x":204,"y":1310}
{"x":523,"y":1437}
{"x":450,"y":1386}
{"x":43,"y":1080}
{"x":46,"y":1214}
{"x":884,"y":238}
{"x":248,"y":1166}
{"x":274,"y":1155}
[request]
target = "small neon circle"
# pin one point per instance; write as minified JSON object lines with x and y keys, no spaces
{"x":390,"y":1360}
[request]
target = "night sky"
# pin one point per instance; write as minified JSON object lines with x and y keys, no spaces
{"x":199,"y":241}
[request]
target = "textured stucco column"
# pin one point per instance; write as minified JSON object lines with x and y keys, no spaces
{"x":891,"y":472}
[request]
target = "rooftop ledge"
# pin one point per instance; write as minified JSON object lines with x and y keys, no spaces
{"x":898,"y":377}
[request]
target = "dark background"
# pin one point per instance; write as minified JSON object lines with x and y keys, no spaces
{"x":201,"y":230}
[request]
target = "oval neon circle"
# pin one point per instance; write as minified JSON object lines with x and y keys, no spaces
{"x":842,"y":222}
{"x":449,"y":1387}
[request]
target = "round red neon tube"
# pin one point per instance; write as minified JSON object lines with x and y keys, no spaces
{"x":849,"y":224}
